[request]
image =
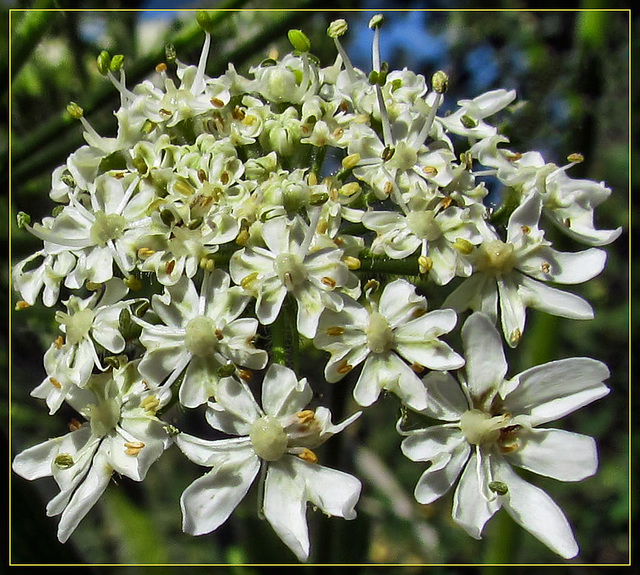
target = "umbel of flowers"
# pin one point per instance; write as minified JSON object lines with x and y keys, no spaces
{"x":231,"y":218}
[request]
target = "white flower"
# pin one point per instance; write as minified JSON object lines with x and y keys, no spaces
{"x":87,"y":322}
{"x":201,"y":333}
{"x":513,"y":272}
{"x":46,"y":278}
{"x":397,"y":327}
{"x":101,"y":235}
{"x":289,"y":266}
{"x":123,"y":435}
{"x":279,"y":438}
{"x":492,"y":423}
{"x":436,"y":231}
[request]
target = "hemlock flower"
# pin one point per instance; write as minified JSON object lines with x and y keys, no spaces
{"x":492,"y":423}
{"x":201,"y":333}
{"x":277,"y":439}
{"x":511,"y":274}
{"x":397,"y":327}
{"x":290,"y":265}
{"x":122,"y":434}
{"x":88,"y":322}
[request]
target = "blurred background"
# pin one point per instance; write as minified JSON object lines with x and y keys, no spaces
{"x":570,"y":69}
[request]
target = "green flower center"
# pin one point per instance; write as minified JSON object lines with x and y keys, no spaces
{"x":480,"y":428}
{"x":496,"y":257}
{"x":424,"y":225}
{"x":106,"y":227}
{"x":200,"y":338}
{"x":103,"y":417}
{"x":268,"y":438}
{"x":290,"y":270}
{"x":379,"y":333}
{"x":77,"y":325}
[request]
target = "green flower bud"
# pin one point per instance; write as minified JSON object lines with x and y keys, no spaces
{"x":299,"y":40}
{"x":170,"y":53}
{"x":116,"y":63}
{"x":440,"y":82}
{"x":75,"y":111}
{"x":468,"y":122}
{"x":376,"y":21}
{"x":103,"y":61}
{"x":205,"y":21}
{"x":337,"y":28}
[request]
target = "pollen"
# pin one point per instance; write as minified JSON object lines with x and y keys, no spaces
{"x":21,"y":305}
{"x":245,"y":374}
{"x":170,"y":267}
{"x":74,"y":425}
{"x":344,"y":368}
{"x":59,"y":342}
{"x":308,"y":455}
{"x":525,"y":229}
{"x":335,"y":331}
{"x":133,"y":447}
{"x":55,"y":383}
{"x":160,"y":68}
{"x":351,"y":161}
{"x":545,"y":267}
{"x":329,"y":282}
{"x":247,"y":280}
{"x":425,"y":264}
{"x":145,"y":252}
{"x":352,"y":263}
{"x":306,"y":416}
{"x":388,"y":188}
{"x":202,"y":175}
{"x":217,"y":102}
{"x":430,"y":171}
{"x":417,"y":367}
{"x":150,"y":404}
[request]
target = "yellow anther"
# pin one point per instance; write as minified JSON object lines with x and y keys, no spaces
{"x":183,"y":187}
{"x":329,"y":282}
{"x":430,"y":171}
{"x":546,"y":267}
{"x":74,"y":425}
{"x":344,"y":368}
{"x":335,"y":330}
{"x":93,"y":286}
{"x":133,"y":447}
{"x":162,"y":67}
{"x":338,"y":132}
{"x":417,"y":367}
{"x":350,"y":189}
{"x":388,"y":188}
{"x":312,"y":179}
{"x":514,"y":337}
{"x":165,"y":113}
{"x":218,"y":333}
{"x":245,"y":374}
{"x":207,"y":264}
{"x":243,"y":237}
{"x":418,"y":312}
{"x":59,"y":342}
{"x":224,"y":178}
{"x":352,"y":263}
{"x":351,"y":161}
{"x":323,"y":226}
{"x":425,"y":263}
{"x":525,"y":229}
{"x":55,"y":383}
{"x":21,"y":305}
{"x":217,"y":102}
{"x":202,"y":175}
{"x":308,"y":455}
{"x":170,"y":267}
{"x":239,"y":113}
{"x":150,"y":404}
{"x":575,"y":158}
{"x":306,"y":416}
{"x":514,"y":157}
{"x":465,"y":247}
{"x":145,"y":252}
{"x":446,"y":202}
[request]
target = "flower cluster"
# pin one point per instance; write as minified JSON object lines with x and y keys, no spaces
{"x":231,"y":216}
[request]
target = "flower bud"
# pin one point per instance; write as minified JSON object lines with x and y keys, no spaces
{"x":440,"y":82}
{"x":75,"y":111}
{"x":116,"y":63}
{"x":376,"y":21}
{"x":299,"y":40}
{"x":103,"y":62}
{"x":337,"y":28}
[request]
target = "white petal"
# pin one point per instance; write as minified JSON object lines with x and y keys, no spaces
{"x":442,"y":474}
{"x":282,"y":392}
{"x":85,"y":496}
{"x":285,"y":506}
{"x":333,"y":491}
{"x":447,"y":402}
{"x":554,"y":301}
{"x":563,"y":455}
{"x":212,"y":453}
{"x":236,"y":399}
{"x":486,"y":364}
{"x":399,"y":301}
{"x":431,"y":443}
{"x":471,"y":508}
{"x":479,"y":293}
{"x":512,"y":308}
{"x":550,"y":391}
{"x":209,"y":501}
{"x":534,"y":510}
{"x":546,"y":264}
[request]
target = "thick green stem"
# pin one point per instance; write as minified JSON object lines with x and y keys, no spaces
{"x":381,"y":264}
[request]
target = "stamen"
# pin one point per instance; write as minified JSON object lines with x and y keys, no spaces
{"x":133,"y":447}
{"x":306,"y":416}
{"x":308,"y":455}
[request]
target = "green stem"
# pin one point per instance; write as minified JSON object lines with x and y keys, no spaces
{"x":501,"y":542}
{"x":384,"y":265}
